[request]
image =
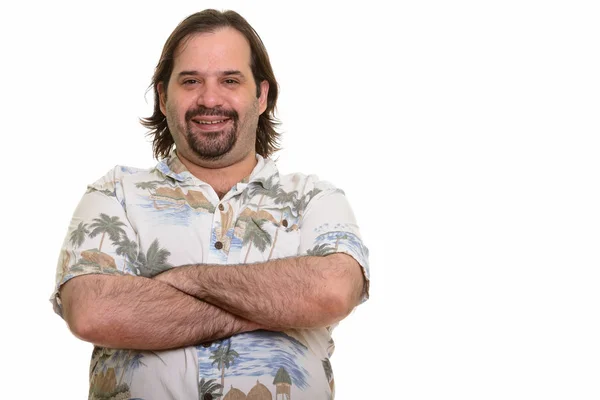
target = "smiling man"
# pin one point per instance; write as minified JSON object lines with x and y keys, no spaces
{"x":211,"y":275}
{"x":212,"y":102}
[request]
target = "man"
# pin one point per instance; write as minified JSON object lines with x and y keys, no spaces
{"x":211,"y":275}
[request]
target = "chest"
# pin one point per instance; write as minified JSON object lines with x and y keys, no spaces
{"x":189,"y":224}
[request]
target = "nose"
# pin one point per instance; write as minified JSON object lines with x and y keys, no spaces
{"x":210,"y":95}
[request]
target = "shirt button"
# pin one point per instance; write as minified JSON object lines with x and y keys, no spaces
{"x":218,"y":245}
{"x":221,"y":208}
{"x":284,"y":223}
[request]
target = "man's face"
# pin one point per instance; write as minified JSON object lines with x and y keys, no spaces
{"x":211,"y":105}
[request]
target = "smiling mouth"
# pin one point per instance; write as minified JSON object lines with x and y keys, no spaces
{"x":200,"y":122}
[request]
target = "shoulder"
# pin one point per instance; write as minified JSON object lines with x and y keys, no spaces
{"x":114,"y":178}
{"x":303,"y":183}
{"x":307,"y":190}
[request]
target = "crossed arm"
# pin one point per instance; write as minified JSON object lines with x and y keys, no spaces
{"x":140,"y":313}
{"x":296,"y":292}
{"x":192,"y":304}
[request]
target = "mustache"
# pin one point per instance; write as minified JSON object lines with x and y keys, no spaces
{"x":213,"y":112}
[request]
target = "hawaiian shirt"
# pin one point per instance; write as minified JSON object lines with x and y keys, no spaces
{"x":144,"y":221}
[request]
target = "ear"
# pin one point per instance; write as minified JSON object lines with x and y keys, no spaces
{"x":262,"y":99}
{"x":162,"y":96}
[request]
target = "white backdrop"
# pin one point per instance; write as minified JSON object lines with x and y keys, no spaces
{"x":464,"y":133}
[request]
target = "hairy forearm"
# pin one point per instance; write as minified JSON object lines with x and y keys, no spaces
{"x":298,"y":292}
{"x":142,"y":314}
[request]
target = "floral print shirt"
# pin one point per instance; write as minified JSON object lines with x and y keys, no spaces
{"x":144,"y":221}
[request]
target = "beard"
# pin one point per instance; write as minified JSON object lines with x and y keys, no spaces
{"x":211,"y":145}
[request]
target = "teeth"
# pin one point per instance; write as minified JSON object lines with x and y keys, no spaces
{"x":211,"y":122}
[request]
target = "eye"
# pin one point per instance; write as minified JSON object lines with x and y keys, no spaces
{"x":230,"y":82}
{"x":190,"y":81}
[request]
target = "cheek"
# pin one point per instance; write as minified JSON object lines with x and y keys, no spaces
{"x":175,"y":110}
{"x":171,"y":110}
{"x":247,"y":108}
{"x":178,"y":102}
{"x":243,"y":102}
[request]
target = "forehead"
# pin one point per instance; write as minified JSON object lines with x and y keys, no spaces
{"x":223,"y":49}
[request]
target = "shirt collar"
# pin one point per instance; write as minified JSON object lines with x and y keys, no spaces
{"x":265,"y":172}
{"x":174,"y":168}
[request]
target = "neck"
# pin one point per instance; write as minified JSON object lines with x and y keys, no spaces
{"x":221,"y":179}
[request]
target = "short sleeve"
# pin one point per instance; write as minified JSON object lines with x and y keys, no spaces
{"x":99,"y":240}
{"x":328,"y":226}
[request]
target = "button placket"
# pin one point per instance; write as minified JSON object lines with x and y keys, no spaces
{"x":217,"y":252}
{"x":218,"y":243}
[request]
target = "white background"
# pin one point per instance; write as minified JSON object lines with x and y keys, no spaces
{"x":464,"y":133}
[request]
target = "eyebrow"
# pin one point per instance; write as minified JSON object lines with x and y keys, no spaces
{"x":233,"y":72}
{"x":228,"y":72}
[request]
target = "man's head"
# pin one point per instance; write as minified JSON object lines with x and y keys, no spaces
{"x":215,"y":91}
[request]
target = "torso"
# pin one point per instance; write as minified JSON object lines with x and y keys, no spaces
{"x":187,"y":218}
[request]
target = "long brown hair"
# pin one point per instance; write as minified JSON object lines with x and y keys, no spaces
{"x":267,"y":138}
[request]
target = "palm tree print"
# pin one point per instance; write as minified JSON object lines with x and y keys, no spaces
{"x":147,"y":185}
{"x":327,"y":368}
{"x":330,"y":241}
{"x":283,"y":197}
{"x":285,"y":210}
{"x":106,"y":363}
{"x":130,"y":362}
{"x":104,"y":225}
{"x":224,"y":357}
{"x":76,"y":239}
{"x":78,"y":235}
{"x":301,"y":203}
{"x":266,"y":188}
{"x":255,"y":235}
{"x":154,"y":261}
{"x":209,"y":389}
{"x":128,"y":249}
{"x":105,"y":192}
{"x":100,"y":356}
{"x":343,"y":235}
{"x":321,"y":250}
{"x":329,"y":374}
{"x":280,"y":197}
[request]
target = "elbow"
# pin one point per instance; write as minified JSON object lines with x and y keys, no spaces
{"x":337,"y":305}
{"x":84,"y":325}
{"x":79,"y":317}
{"x":81,"y":322}
{"x":80,"y":325}
{"x":343,"y":287}
{"x":321,"y":309}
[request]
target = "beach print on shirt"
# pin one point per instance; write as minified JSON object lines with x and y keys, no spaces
{"x":143,"y":222}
